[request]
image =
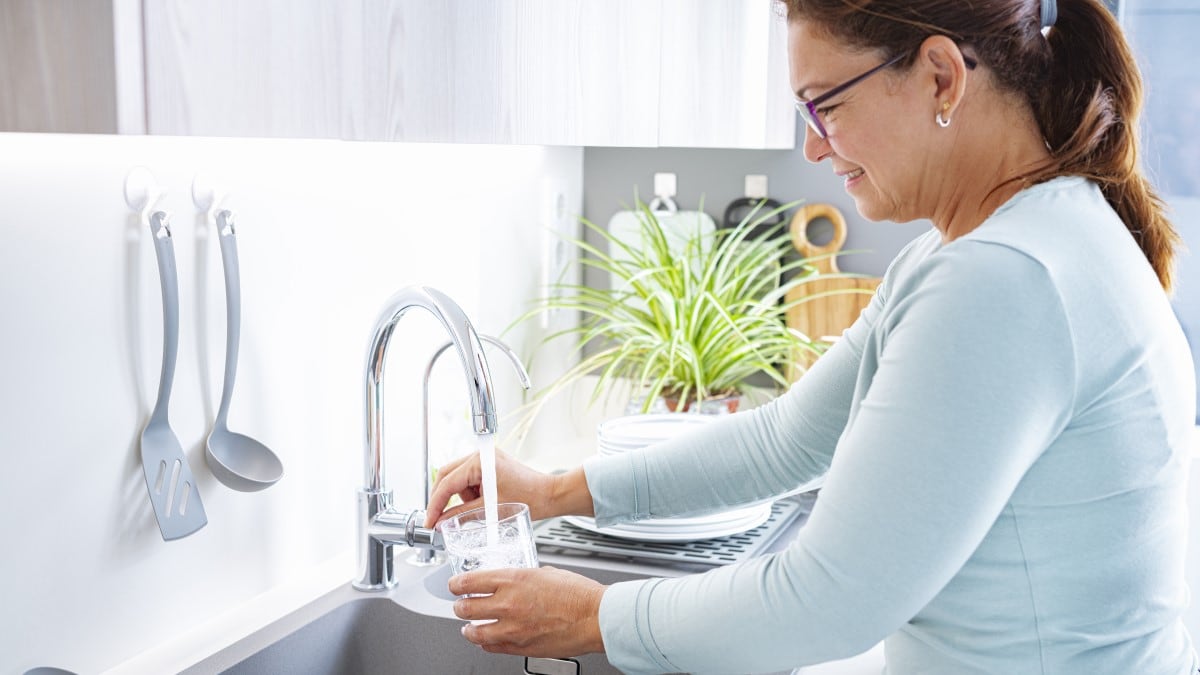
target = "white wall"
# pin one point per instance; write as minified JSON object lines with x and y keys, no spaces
{"x":327,"y":230}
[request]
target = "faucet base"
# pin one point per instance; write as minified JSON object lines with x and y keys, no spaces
{"x":423,"y":557}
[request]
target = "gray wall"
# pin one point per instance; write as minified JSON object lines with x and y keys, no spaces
{"x":610,"y":176}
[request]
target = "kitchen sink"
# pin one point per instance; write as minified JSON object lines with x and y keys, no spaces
{"x":409,"y":629}
{"x":412,"y":628}
{"x":376,"y":635}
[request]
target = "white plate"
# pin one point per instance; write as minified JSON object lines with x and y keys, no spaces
{"x":632,"y":532}
{"x":639,"y":430}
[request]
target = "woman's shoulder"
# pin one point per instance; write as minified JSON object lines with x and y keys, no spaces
{"x":1065,"y":214}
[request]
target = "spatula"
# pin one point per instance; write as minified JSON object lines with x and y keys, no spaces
{"x":177,"y":505}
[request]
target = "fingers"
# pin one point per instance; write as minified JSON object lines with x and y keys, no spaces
{"x":531,"y":612}
{"x":460,"y":477}
{"x":477,"y":582}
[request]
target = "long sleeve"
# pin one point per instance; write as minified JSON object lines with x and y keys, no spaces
{"x":1007,"y":490}
{"x":741,"y":458}
{"x":930,"y":457}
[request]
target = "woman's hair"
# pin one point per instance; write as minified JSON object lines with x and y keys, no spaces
{"x":1080,"y":80}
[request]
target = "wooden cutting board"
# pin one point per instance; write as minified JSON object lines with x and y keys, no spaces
{"x":831,"y":314}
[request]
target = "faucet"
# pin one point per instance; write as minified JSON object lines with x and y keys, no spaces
{"x":428,"y":556}
{"x":381,"y":527}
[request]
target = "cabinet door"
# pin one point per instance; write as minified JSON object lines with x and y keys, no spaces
{"x":262,"y":68}
{"x":553,"y":72}
{"x":724,"y":78}
{"x":57,"y":68}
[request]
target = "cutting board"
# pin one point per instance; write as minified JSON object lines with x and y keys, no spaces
{"x":831,"y":314}
{"x":679,"y":227}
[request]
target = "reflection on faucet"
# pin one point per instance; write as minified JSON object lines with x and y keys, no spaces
{"x":380,"y":526}
{"x":427,"y":556}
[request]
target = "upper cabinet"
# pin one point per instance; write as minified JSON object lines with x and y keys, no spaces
{"x":71,"y":66}
{"x":268,"y":68}
{"x":723,"y":76}
{"x":544,"y":72}
{"x":679,"y":73}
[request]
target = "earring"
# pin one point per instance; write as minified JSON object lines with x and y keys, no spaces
{"x":942,"y":121}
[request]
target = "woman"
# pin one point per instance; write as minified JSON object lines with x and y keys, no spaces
{"x":1004,"y":431}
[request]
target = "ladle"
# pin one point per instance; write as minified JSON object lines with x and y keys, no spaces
{"x":237,"y":460}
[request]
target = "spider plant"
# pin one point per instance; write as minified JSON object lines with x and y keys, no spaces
{"x":689,"y":322}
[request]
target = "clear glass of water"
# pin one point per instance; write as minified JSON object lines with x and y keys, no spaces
{"x":466,"y":539}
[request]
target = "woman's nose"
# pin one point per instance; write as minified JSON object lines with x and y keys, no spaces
{"x":815,"y":147}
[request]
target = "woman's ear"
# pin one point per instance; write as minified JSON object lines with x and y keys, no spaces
{"x":944,"y":63}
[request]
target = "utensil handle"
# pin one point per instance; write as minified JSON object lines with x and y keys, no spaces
{"x":233,"y":309}
{"x":799,"y":226}
{"x":168,"y":277}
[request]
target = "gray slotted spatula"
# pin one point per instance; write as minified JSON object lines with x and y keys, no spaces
{"x":173,"y":492}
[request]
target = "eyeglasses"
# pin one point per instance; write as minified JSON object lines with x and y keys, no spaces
{"x":808,"y":109}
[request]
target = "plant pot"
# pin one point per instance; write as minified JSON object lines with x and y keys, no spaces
{"x":712,"y":406}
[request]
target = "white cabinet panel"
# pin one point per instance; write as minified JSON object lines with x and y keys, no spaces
{"x":688,"y":73}
{"x":57,"y":69}
{"x":262,"y":68}
{"x":724,"y":76}
{"x":530,"y":71}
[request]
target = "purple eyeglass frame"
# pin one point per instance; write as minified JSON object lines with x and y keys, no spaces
{"x":808,"y":109}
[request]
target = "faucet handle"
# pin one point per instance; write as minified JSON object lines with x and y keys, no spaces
{"x":422,"y":537}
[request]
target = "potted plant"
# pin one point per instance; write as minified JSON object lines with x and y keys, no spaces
{"x":684,"y":324}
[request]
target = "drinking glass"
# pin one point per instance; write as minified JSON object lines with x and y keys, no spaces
{"x":466,"y":539}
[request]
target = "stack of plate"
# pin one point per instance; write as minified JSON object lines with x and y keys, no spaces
{"x":636,"y":431}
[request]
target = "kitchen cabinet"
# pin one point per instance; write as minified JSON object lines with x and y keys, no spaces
{"x":681,"y":73}
{"x":70,"y":66}
{"x":267,"y":68}
{"x":724,"y":76}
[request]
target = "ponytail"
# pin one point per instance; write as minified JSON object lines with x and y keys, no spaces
{"x":1088,"y":110}
{"x":1080,"y":79}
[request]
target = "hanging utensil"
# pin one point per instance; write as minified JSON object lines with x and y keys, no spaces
{"x":238,"y":461}
{"x":173,"y":491}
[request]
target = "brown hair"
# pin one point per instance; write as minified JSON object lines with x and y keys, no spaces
{"x":1080,"y":80}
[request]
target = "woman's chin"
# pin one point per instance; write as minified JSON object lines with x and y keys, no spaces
{"x":869,"y":208}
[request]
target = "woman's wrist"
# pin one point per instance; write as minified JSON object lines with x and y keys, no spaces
{"x":570,"y":495}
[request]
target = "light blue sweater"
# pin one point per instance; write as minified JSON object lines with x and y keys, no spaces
{"x":1005,"y":437}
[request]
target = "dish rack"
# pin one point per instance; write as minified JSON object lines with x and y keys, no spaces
{"x":556,"y":533}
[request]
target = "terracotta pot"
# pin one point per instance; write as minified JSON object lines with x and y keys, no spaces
{"x":712,"y":406}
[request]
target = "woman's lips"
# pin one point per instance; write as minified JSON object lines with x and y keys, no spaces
{"x":853,"y":177}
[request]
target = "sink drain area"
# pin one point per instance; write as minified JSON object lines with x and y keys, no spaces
{"x":556,"y":533}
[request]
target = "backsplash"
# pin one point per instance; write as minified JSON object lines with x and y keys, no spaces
{"x":327,"y":231}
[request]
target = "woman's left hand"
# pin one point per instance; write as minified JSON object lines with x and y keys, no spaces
{"x":543,"y":612}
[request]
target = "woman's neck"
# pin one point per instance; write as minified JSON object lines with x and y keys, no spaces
{"x":985,"y":169}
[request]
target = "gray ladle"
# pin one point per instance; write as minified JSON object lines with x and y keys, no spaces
{"x":238,"y":461}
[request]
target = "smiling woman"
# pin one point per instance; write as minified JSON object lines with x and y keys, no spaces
{"x":1004,"y":432}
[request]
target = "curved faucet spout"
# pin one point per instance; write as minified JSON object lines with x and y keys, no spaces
{"x":470,"y":351}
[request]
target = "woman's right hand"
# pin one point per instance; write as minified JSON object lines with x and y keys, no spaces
{"x":547,"y":495}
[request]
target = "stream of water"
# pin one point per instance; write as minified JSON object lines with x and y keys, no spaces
{"x":487,"y":464}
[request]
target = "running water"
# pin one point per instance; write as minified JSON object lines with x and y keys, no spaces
{"x":487,"y":464}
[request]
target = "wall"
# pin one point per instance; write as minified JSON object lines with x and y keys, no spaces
{"x":716,"y":177}
{"x":327,"y":230}
{"x":1161,"y":30}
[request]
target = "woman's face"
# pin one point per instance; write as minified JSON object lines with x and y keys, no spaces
{"x":874,"y":136}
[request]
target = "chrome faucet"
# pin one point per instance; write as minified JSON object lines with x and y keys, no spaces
{"x":380,"y":526}
{"x":428,"y":556}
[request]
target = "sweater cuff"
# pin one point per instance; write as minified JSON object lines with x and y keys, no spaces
{"x":618,"y":487}
{"x":625,"y":628}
